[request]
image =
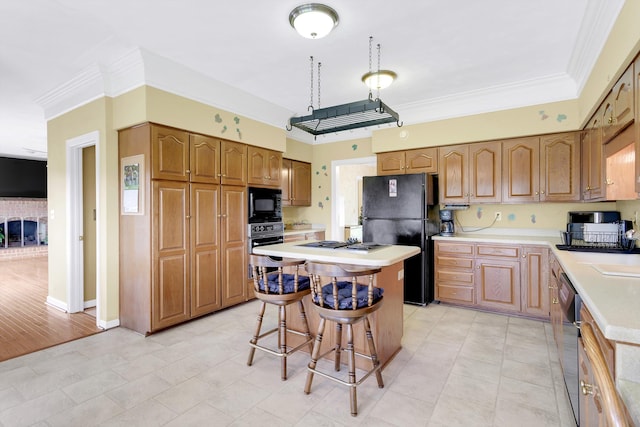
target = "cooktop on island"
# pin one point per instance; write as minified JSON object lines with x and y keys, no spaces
{"x":334,"y":244}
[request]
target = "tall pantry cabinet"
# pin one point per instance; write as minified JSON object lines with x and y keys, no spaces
{"x":183,"y":253}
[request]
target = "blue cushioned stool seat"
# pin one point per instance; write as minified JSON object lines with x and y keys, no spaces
{"x":288,"y":283}
{"x":344,"y":295}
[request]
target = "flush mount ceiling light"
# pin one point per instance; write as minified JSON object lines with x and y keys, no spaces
{"x":313,"y":20}
{"x":379,"y":79}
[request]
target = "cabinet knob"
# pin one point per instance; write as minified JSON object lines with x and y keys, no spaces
{"x":524,"y":256}
{"x":188,"y":171}
{"x":542,"y":192}
{"x":586,"y":388}
{"x":610,"y":120}
{"x":554,"y":300}
{"x":188,"y":216}
{"x":536,"y":193}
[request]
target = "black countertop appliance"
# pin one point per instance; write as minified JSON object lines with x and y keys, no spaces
{"x":397,"y":210}
{"x":597,"y":231}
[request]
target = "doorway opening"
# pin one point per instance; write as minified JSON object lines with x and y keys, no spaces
{"x":82,"y":241}
{"x":347,"y":195}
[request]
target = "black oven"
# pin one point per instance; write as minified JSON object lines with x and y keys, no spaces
{"x":571,"y":303}
{"x":265,"y":205}
{"x":262,"y":234}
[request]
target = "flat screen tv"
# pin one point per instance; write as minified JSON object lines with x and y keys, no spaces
{"x":23,"y":178}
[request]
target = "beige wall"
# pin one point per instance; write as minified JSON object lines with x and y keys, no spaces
{"x":106,"y":116}
{"x":539,"y":119}
{"x":534,"y":216}
{"x":94,"y":116}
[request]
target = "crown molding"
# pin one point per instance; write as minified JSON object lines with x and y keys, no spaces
{"x":597,"y":23}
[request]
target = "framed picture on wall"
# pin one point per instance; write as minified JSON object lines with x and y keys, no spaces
{"x":132,"y":192}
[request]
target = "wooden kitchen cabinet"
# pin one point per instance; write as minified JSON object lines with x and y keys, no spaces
{"x":421,"y":160}
{"x":592,"y":410}
{"x":498,"y":277}
{"x":618,"y":111}
{"x":592,"y":169}
{"x":535,"y":281}
{"x":296,"y":183}
{"x":560,"y":167}
{"x":453,"y":179}
{"x":555,"y":310}
{"x":309,"y":235}
{"x":471,"y":173}
{"x":541,"y":169}
{"x":233,"y":242}
{"x":454,"y":273}
{"x":265,"y":167}
{"x":521,"y":170}
{"x":171,"y":257}
{"x":485,"y":172}
{"x":493,"y":276}
{"x":183,"y":254}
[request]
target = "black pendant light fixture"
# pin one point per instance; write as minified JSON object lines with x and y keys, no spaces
{"x":354,"y":115}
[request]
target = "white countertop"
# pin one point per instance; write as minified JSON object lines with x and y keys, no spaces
{"x":380,"y":257}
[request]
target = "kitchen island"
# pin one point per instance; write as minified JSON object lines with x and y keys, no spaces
{"x":386,"y":322}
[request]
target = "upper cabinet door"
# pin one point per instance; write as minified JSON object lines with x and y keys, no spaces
{"x":285,"y":182}
{"x":300,"y":183}
{"x":265,"y":167}
{"x":233,"y":163}
{"x":592,"y":160}
{"x":205,"y":159}
{"x":485,"y":172}
{"x":619,"y":111}
{"x":170,"y":153}
{"x":422,"y":160}
{"x":454,"y":179}
{"x":391,"y":163}
{"x":521,"y":170}
{"x":560,"y":168}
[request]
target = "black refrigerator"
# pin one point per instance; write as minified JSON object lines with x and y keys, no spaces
{"x":397,"y":209}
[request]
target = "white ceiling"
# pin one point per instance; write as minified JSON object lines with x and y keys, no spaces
{"x":452,"y":57}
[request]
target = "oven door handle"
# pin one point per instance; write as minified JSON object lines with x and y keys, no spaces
{"x":255,"y":244}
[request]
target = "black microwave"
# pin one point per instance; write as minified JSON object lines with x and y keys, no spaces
{"x":265,"y":205}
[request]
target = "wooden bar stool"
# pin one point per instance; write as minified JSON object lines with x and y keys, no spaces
{"x":273,"y":286}
{"x":344,"y":302}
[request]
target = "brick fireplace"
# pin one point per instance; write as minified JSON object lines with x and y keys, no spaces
{"x":24,"y":224}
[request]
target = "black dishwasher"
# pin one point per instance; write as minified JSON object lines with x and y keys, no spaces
{"x":571,"y":303}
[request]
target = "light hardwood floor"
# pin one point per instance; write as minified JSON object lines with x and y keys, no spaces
{"x":27,"y":323}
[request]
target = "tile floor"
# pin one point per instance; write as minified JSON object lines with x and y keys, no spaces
{"x":457,"y":367}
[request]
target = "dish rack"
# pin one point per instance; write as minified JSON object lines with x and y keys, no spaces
{"x":597,"y":239}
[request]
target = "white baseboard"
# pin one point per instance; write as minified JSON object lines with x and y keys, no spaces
{"x":108,"y":325}
{"x":90,"y":304}
{"x":56,"y":303}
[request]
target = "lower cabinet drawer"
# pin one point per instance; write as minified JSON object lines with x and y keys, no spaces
{"x":455,"y":293}
{"x":454,"y":276}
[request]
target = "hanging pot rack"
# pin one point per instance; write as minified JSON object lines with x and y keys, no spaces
{"x":354,"y":115}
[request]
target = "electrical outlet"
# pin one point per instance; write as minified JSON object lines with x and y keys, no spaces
{"x":498,"y":216}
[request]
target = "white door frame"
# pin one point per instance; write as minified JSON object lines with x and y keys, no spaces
{"x":75,"y":254}
{"x":335,"y":227}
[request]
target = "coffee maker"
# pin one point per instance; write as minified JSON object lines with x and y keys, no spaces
{"x":446,"y":223}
